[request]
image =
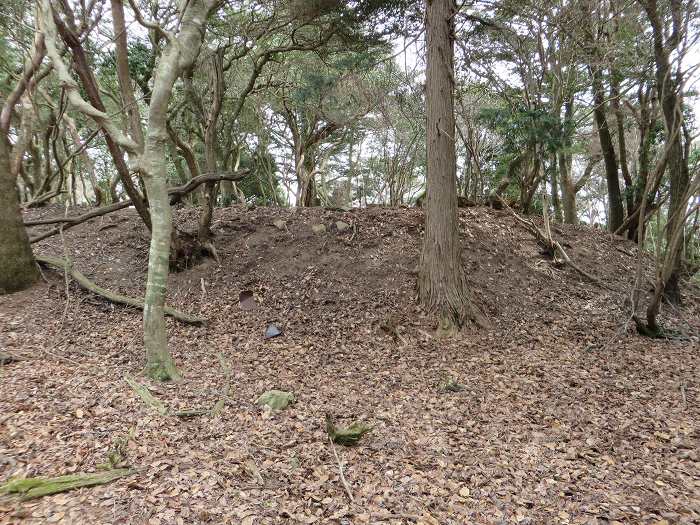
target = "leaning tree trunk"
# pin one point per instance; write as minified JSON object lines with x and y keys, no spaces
{"x":672,"y":107}
{"x":17,"y":267}
{"x":442,"y":286}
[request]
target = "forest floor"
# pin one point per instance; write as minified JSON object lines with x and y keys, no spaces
{"x":564,"y":417}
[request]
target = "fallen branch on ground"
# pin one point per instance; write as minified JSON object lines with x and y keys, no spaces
{"x":146,"y":396}
{"x":41,"y":199}
{"x":6,"y":359}
{"x":37,"y":487}
{"x":553,"y":247}
{"x":86,"y":283}
{"x":176,"y":195}
{"x":345,"y":483}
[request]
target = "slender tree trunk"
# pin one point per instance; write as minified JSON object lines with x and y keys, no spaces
{"x":621,"y":141}
{"x":568,"y":190}
{"x":216,"y":88}
{"x":87,"y":77}
{"x":17,"y":269}
{"x":556,"y":203}
{"x":178,"y":55}
{"x":442,"y":283}
{"x":616,"y":214}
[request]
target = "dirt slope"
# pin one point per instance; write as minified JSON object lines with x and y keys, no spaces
{"x":563,"y":417}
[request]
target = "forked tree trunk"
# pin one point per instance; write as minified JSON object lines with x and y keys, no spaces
{"x":17,"y":267}
{"x":672,"y":106}
{"x":442,"y":284}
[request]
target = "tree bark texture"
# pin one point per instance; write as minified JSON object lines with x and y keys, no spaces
{"x":442,"y":283}
{"x":17,"y":267}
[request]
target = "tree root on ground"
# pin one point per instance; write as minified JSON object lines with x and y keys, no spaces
{"x":145,"y":394}
{"x":111,"y":296}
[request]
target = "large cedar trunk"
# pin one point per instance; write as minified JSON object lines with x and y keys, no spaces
{"x":441,"y":281}
{"x":17,"y":267}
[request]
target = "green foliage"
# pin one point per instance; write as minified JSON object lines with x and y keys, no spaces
{"x":524,"y":127}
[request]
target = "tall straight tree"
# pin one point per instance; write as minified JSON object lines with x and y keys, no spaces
{"x":442,"y":286}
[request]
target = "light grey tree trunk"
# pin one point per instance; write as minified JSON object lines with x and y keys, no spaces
{"x":180,"y":53}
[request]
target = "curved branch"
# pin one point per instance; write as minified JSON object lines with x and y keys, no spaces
{"x":50,"y":31}
{"x":86,"y":283}
{"x":30,"y":69}
{"x":176,"y":195}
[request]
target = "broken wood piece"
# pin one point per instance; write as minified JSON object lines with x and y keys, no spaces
{"x":86,"y":283}
{"x":6,"y":359}
{"x":30,"y":488}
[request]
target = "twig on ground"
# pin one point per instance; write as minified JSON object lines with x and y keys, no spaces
{"x":204,"y":293}
{"x":685,"y":401}
{"x":387,"y":517}
{"x":340,"y":469}
{"x":65,"y":269}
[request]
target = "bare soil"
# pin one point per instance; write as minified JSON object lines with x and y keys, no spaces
{"x":566,"y":415}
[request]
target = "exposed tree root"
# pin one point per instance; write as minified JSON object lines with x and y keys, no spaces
{"x":37,"y":487}
{"x":109,"y":295}
{"x":145,"y":394}
{"x":646,"y":330}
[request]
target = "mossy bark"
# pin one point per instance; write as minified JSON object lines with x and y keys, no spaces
{"x":37,"y":487}
{"x":17,"y":267}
